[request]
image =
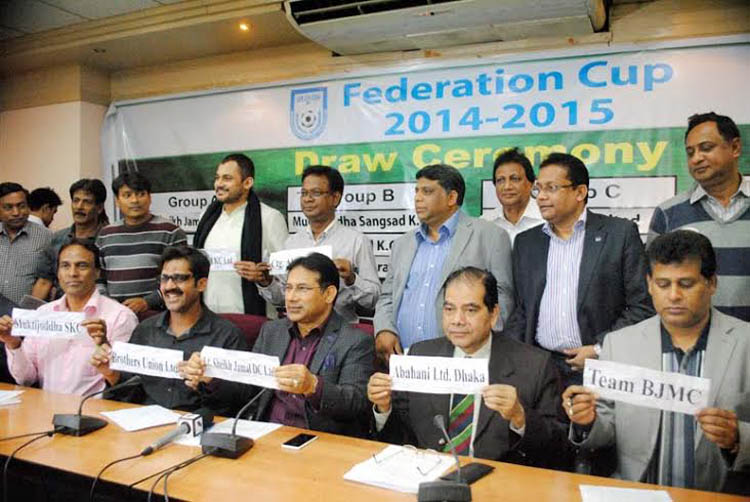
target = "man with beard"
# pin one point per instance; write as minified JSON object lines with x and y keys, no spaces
{"x":87,"y":197}
{"x":186,"y":325}
{"x":238,"y":221}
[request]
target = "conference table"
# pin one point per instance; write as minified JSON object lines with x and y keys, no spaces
{"x":265,"y":473}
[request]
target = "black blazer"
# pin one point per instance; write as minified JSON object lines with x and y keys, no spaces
{"x":533,"y":374}
{"x":612,"y":290}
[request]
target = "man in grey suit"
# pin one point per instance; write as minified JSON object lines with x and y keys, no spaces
{"x":325,"y":362}
{"x":687,"y":336}
{"x":411,"y":299}
{"x":513,"y":420}
{"x":578,"y":276}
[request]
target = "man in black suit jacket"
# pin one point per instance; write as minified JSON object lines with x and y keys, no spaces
{"x":515,"y":419}
{"x":578,"y":276}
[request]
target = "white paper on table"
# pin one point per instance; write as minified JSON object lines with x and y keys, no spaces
{"x":400,"y":468}
{"x":279,"y":260}
{"x":48,"y":324}
{"x":10,"y":396}
{"x":135,"y":419}
{"x":240,"y":366}
{"x":145,"y":360}
{"x":591,"y":493}
{"x":646,"y":387}
{"x":439,"y":375}
{"x":245,"y":428}
{"x":222,"y":259}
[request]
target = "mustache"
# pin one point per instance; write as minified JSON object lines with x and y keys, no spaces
{"x":173,"y":291}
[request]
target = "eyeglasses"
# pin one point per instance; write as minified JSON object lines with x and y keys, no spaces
{"x":548,"y":188}
{"x":176,"y":278}
{"x":424,"y":460}
{"x":315,"y":194}
{"x":302,"y":289}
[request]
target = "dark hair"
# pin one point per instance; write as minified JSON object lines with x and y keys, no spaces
{"x":96,"y":188}
{"x":87,"y":244}
{"x":320,"y":263}
{"x":247,"y":168}
{"x":447,"y":177}
{"x":40,"y":197}
{"x":335,"y":181}
{"x":475,"y":274}
{"x":514,"y":155}
{"x":199,"y":264}
{"x":9,"y":187}
{"x":726,"y":126}
{"x":576,"y":169}
{"x":680,"y":245}
{"x":133,"y":180}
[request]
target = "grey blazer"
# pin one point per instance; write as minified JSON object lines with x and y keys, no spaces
{"x":476,"y":242}
{"x":634,"y":430}
{"x":343,"y":360}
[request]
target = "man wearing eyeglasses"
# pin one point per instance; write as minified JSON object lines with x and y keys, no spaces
{"x":325,"y":362}
{"x":513,"y":178}
{"x":187,"y":325}
{"x":238,"y":221}
{"x":322,"y":190}
{"x":580,"y":275}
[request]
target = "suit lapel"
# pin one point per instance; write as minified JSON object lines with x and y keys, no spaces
{"x":501,"y":367}
{"x":333,"y":327}
{"x":593,"y":243}
{"x":461,"y":238}
{"x":278,"y":347}
{"x":404,"y":267}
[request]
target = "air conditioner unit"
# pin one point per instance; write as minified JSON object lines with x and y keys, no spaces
{"x":366,"y":26}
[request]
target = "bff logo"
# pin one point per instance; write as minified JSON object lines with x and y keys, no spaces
{"x":308,"y":112}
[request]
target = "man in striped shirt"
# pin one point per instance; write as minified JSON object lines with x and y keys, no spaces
{"x":131,"y":248}
{"x":717,"y":206}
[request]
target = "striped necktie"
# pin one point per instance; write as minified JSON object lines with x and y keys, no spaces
{"x":461,"y":424}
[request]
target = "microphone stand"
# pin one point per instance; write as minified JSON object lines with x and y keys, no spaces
{"x":76,"y":424}
{"x":441,"y":490}
{"x":221,"y":444}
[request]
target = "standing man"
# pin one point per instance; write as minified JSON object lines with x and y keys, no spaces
{"x":513,"y":178}
{"x":238,"y":221}
{"x":63,"y":365}
{"x":21,"y":243}
{"x":131,"y":248}
{"x":581,"y":274}
{"x":325,"y":363}
{"x":411,"y":302}
{"x":688,"y":337}
{"x":43,"y":203}
{"x":322,"y":189}
{"x":718,"y":206}
{"x":514,"y":417}
{"x":87,"y":197}
{"x":186,"y":325}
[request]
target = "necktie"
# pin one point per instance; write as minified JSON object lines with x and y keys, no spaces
{"x":461,"y":423}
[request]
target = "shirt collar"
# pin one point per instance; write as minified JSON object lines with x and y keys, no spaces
{"x":294,"y":329}
{"x":36,"y":219}
{"x":482,"y":352}
{"x":448,"y":228}
{"x":202,"y":326}
{"x":237,"y":210}
{"x":528,"y":212}
{"x":579,"y":224}
{"x":325,"y":231}
{"x":701,"y":344}
{"x":699,"y":192}
{"x":91,"y":309}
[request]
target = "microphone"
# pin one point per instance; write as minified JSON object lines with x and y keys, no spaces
{"x":75,"y":424}
{"x":441,"y":490}
{"x":221,"y":444}
{"x":190,"y":423}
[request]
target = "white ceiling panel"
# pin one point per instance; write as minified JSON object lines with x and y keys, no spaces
{"x":96,"y":9}
{"x":30,"y":16}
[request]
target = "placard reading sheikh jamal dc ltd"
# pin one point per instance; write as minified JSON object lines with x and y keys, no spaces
{"x":439,"y":375}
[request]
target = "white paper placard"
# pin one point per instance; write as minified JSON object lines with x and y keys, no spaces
{"x":222,"y":259}
{"x":47,"y":324}
{"x":439,"y":375}
{"x":281,"y":259}
{"x":592,"y":493}
{"x":145,"y":360}
{"x":646,"y":387}
{"x":240,"y":366}
{"x":142,"y":417}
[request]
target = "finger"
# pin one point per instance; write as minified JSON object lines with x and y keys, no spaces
{"x":719,"y":412}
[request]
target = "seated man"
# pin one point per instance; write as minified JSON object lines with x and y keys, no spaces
{"x":186,"y":325}
{"x":62,"y":365}
{"x":325,"y":362}
{"x":513,"y":420}
{"x":686,"y":336}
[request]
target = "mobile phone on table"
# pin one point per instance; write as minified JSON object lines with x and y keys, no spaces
{"x":299,"y":441}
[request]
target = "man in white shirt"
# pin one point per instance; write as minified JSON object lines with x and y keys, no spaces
{"x":237,"y":221}
{"x":513,"y":178}
{"x":322,"y":190}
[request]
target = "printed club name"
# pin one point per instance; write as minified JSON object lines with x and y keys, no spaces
{"x":240,"y":367}
{"x":46,"y":325}
{"x":143,"y":363}
{"x":439,"y":375}
{"x":647,"y":388}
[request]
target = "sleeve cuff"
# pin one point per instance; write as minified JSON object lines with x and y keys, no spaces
{"x":317,"y":396}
